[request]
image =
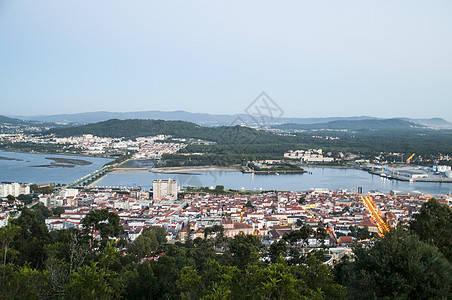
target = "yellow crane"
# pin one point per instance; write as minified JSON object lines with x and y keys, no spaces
{"x":410,"y":158}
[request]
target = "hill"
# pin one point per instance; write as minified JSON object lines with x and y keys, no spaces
{"x":206,"y":119}
{"x":180,"y":129}
{"x":354,"y":125}
{"x":8,"y":120}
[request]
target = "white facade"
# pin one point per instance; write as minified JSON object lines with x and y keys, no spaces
{"x":164,"y":189}
{"x":69,"y":193}
{"x":307,"y":156}
{"x":14,"y":189}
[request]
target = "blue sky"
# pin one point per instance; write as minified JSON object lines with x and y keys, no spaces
{"x":314,"y":58}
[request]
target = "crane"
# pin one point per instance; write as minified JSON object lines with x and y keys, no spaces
{"x":409,"y":158}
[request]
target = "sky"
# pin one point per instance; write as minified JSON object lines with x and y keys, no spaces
{"x":313,"y":58}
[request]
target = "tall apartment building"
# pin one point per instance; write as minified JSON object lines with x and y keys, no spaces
{"x":14,"y":189}
{"x":164,"y":189}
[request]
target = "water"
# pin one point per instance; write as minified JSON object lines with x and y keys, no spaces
{"x":20,"y":167}
{"x":35,"y":168}
{"x":331,"y":178}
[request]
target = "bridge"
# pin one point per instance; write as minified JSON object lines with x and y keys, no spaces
{"x":88,"y":178}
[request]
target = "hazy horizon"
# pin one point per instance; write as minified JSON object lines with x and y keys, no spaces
{"x":314,"y":59}
{"x":193,"y":112}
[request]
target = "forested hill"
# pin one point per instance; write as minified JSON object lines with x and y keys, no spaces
{"x":137,"y":128}
{"x":244,"y":140}
{"x":354,"y":125}
{"x":4,"y":119}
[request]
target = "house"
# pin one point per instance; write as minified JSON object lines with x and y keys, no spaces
{"x":345,"y":240}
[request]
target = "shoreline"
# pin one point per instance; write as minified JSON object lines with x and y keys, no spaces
{"x":194,"y":169}
{"x":55,"y":153}
{"x":119,"y":170}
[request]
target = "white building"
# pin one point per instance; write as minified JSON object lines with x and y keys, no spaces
{"x":164,"y":189}
{"x":309,"y":156}
{"x":14,"y":189}
{"x":441,"y":169}
{"x":69,"y":193}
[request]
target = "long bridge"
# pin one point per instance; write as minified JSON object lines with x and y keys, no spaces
{"x":88,"y":178}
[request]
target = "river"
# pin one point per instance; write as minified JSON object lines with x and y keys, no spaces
{"x":331,"y":178}
{"x":46,"y":168}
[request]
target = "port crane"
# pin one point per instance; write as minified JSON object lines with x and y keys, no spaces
{"x":410,"y":158}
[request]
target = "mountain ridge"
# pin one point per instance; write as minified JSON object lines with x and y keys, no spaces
{"x":207,"y":119}
{"x":369,"y":124}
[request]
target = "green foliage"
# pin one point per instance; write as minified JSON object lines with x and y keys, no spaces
{"x":354,"y":125}
{"x":41,"y":212}
{"x":257,"y":281}
{"x":7,"y":234}
{"x":22,"y":282}
{"x":26,"y":199}
{"x":10,"y":199}
{"x":245,"y":249}
{"x":62,"y":265}
{"x":219,"y":188}
{"x":361,"y":233}
{"x":235,"y":143}
{"x":433,"y":225}
{"x":398,"y":266}
{"x":57,"y":211}
{"x":149,"y":241}
{"x":107,"y":223}
{"x":93,"y":282}
{"x":42,"y":190}
{"x":31,"y":240}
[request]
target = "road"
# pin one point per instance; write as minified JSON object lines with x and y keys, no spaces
{"x":375,"y":214}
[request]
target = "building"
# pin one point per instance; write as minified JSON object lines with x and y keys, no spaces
{"x":413,"y":174}
{"x":164,"y":189}
{"x":14,"y":189}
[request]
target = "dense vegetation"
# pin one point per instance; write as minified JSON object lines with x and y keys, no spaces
{"x":354,"y":125}
{"x":71,"y":264}
{"x":32,"y":147}
{"x":233,"y":143}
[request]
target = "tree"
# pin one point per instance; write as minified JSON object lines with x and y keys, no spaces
{"x":277,"y":249}
{"x":41,"y":212}
{"x":361,"y":233}
{"x":31,"y":240}
{"x":22,"y":282}
{"x":57,"y":211}
{"x":26,"y":199}
{"x":98,"y":280}
{"x":302,"y":199}
{"x":398,"y":266}
{"x":107,"y":223}
{"x":7,"y":234}
{"x":93,"y":282}
{"x":433,"y":225}
{"x":189,"y":283}
{"x":149,"y":240}
{"x":245,"y":249}
{"x":10,"y":199}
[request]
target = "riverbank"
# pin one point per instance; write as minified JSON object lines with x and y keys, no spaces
{"x":53,"y":153}
{"x":275,"y":172}
{"x":194,"y":169}
{"x":129,"y":170}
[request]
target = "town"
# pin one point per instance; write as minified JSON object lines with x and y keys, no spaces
{"x":336,"y":219}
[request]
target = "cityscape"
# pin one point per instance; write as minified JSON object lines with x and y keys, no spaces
{"x":213,"y":151}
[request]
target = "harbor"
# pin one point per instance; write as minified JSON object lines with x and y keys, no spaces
{"x":439,"y":174}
